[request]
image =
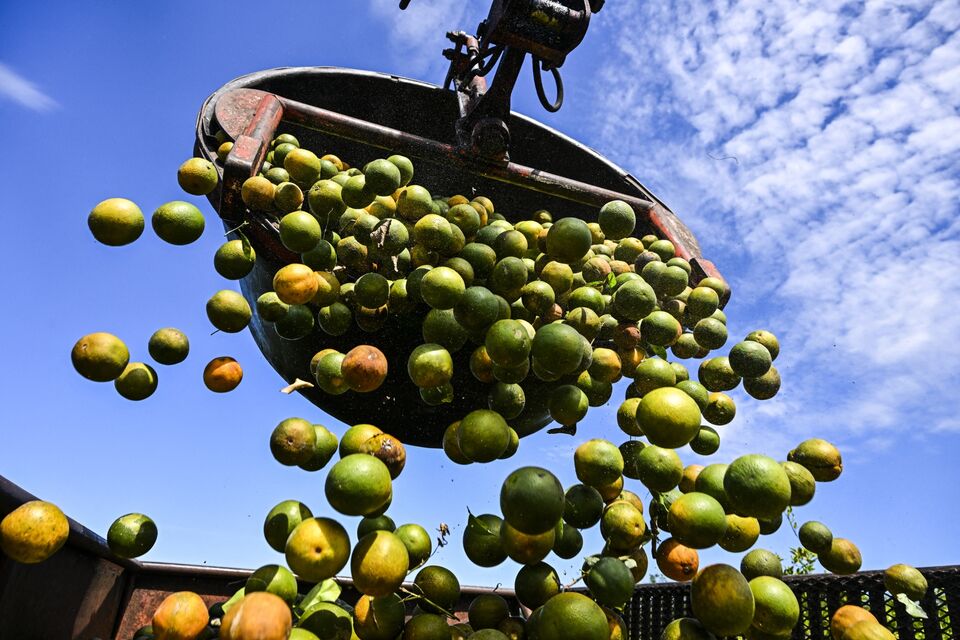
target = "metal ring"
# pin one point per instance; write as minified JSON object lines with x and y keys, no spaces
{"x":538,"y":82}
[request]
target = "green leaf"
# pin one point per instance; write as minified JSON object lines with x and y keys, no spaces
{"x":245,"y":242}
{"x":474,"y":521}
{"x":630,"y":563}
{"x":234,"y":599}
{"x":662,"y":501}
{"x":912,"y":606}
{"x":326,"y":591}
{"x":611,"y":280}
{"x":589,"y":561}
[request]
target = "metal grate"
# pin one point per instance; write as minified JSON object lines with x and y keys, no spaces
{"x":654,"y":605}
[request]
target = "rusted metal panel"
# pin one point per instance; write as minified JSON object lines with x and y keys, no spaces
{"x":76,"y":593}
{"x":154,"y":582}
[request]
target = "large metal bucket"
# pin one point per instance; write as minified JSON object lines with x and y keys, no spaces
{"x":428,"y":111}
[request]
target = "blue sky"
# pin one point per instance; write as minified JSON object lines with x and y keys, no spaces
{"x":812,"y":147}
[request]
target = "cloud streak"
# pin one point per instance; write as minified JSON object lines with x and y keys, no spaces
{"x":418,"y":34}
{"x":20,"y":90}
{"x":840,"y":218}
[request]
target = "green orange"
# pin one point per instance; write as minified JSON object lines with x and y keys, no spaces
{"x":622,"y":526}
{"x":568,"y":404}
{"x":668,"y":417}
{"x":532,"y":500}
{"x":282,"y":520}
{"x":526,"y":548}
{"x":757,"y":486}
{"x":137,"y":382}
{"x":430,"y":365}
{"x":686,"y":629}
{"x":132,"y":535}
{"x":358,"y":485}
{"x":317,"y":549}
{"x":535,"y":584}
{"x":750,"y":359}
{"x":653,"y":373}
{"x":572,"y":615}
{"x":610,"y":582}
{"x":275,"y":579}
{"x":229,"y":311}
{"x":815,"y":536}
{"x":417,"y":542}
{"x":168,"y":346}
{"x":842,"y":558}
{"x":197,"y":176}
{"x":741,"y":533}
{"x":234,"y":259}
{"x":33,"y":532}
{"x":697,"y":520}
{"x":508,"y":343}
{"x":598,"y":462}
{"x":634,"y":300}
{"x":820,"y":457}
{"x":568,"y":240}
{"x":720,"y":410}
{"x":658,"y":468}
{"x":767,"y":339}
{"x":776,"y":608}
{"x":379,"y":564}
{"x":902,"y":578}
{"x":178,"y":222}
{"x":293,"y":441}
{"x":116,"y":222}
{"x":100,"y":357}
{"x":483,"y":436}
{"x":764,"y":387}
{"x":439,"y":589}
{"x":583,"y":506}
{"x":487,"y":610}
{"x":722,"y":600}
{"x":761,"y":562}
{"x":481,"y":540}
{"x":378,"y":618}
{"x":617,"y":219}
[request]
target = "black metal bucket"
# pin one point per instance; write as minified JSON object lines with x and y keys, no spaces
{"x":422,"y":110}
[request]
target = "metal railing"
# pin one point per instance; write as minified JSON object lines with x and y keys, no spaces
{"x":654,"y":606}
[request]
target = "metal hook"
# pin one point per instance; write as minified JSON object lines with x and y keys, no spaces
{"x":485,"y":67}
{"x":538,"y":82}
{"x":404,"y":4}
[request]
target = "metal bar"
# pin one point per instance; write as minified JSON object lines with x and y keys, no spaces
{"x":247,"y":155}
{"x":495,"y":102}
{"x":12,"y":496}
{"x":342,"y":126}
{"x":233,"y":111}
{"x":357,"y":130}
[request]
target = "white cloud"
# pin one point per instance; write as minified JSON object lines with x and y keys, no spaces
{"x":418,"y":34}
{"x":840,"y":218}
{"x":17,"y":88}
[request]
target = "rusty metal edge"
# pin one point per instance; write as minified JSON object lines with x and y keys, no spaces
{"x":205,"y":117}
{"x":80,"y":537}
{"x":87,"y":540}
{"x":203,"y":571}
